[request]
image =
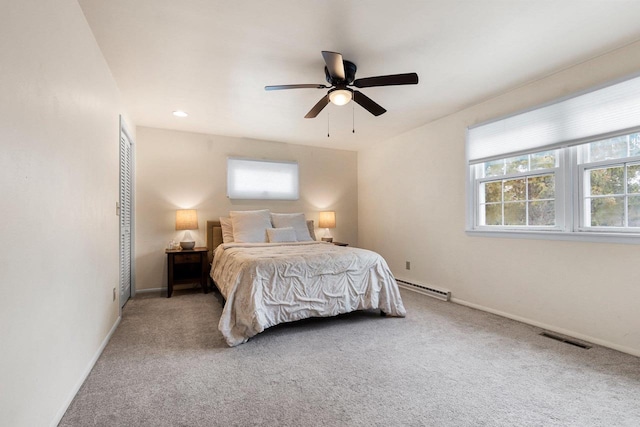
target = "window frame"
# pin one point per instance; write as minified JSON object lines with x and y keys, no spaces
{"x":570,"y":196}
{"x":559,"y":177}
{"x":583,"y":169}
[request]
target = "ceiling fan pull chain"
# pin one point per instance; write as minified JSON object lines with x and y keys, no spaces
{"x":353,"y":123}
{"x":328,"y":126}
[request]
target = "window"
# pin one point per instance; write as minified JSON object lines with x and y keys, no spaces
{"x":262,"y":179}
{"x":610,"y":176}
{"x":518,"y":191}
{"x":571,"y":167}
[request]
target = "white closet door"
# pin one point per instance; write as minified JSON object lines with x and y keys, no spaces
{"x":126,"y":194}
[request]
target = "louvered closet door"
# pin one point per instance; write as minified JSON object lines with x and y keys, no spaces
{"x":126,"y":171}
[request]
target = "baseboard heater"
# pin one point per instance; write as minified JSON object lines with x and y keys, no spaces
{"x":425,"y":290}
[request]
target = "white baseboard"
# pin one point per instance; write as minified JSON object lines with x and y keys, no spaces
{"x":587,"y":338}
{"x":84,"y":375}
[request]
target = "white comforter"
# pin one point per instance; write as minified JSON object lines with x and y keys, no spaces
{"x":268,"y":284}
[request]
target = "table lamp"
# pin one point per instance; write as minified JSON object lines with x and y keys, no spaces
{"x":327,"y":220}
{"x":187,"y":219}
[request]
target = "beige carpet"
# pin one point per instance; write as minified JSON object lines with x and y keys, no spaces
{"x":443,"y":365}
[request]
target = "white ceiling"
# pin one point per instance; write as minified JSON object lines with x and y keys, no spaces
{"x":212,"y":58}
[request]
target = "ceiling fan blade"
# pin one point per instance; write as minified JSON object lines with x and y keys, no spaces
{"x":367,"y":103}
{"x":334,"y":64}
{"x":318,"y":107}
{"x":390,"y":80}
{"x":304,"y":86}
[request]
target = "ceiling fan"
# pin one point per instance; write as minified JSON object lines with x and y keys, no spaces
{"x":341,"y":74}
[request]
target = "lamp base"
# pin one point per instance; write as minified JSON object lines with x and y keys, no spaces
{"x":187,"y":245}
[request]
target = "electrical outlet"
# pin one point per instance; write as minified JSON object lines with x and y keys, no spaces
{"x":114,"y":294}
{"x":407,"y":265}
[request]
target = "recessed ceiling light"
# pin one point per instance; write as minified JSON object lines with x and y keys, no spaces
{"x":180,"y":113}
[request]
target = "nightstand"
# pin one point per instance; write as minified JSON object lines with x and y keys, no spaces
{"x":187,"y":266}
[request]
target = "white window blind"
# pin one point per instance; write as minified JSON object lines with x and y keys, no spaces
{"x":613,"y":109}
{"x":262,"y":179}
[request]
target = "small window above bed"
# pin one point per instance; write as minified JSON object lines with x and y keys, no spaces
{"x":262,"y":179}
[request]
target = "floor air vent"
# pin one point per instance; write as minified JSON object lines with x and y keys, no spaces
{"x":426,"y":290}
{"x":565,"y":340}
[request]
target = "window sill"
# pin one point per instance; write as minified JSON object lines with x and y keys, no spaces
{"x":576,"y":236}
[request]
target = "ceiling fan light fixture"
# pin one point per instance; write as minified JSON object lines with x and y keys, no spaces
{"x":341,"y":74}
{"x":340,"y":96}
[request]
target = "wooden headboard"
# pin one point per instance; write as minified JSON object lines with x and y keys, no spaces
{"x":214,"y":237}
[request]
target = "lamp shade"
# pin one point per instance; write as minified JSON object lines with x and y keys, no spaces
{"x":186,"y":219}
{"x":327,"y":219}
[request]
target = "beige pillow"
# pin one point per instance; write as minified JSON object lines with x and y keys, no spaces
{"x":279,"y":235}
{"x":311,"y":227}
{"x":227,"y":229}
{"x":295,"y":220}
{"x":250,"y":226}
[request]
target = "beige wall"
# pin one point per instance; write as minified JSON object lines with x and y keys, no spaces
{"x":176,"y":170}
{"x":412,"y":208}
{"x":59,"y":184}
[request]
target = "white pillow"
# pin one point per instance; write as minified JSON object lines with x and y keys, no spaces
{"x":250,"y":226}
{"x":227,"y":229}
{"x":278,"y":235}
{"x":295,"y":220}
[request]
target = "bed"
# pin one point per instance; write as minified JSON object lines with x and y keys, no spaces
{"x":265,"y":284}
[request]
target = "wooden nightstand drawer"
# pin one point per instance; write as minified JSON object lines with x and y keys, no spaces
{"x":187,"y":258}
